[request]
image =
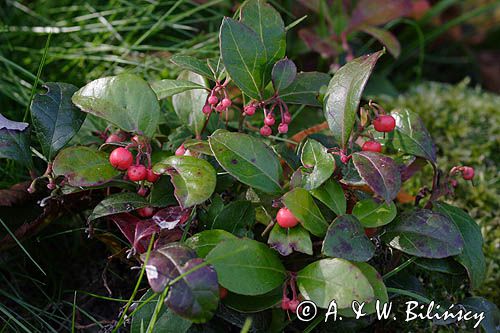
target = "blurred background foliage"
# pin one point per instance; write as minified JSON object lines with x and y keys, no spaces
{"x":78,"y":41}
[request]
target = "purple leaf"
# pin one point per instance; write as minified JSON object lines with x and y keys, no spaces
{"x":380,"y":172}
{"x":376,"y":12}
{"x":170,"y":217}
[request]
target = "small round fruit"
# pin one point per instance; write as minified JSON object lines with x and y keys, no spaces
{"x":287,"y":118}
{"x":121,"y":158}
{"x":266,"y":130}
{"x":222,"y":292}
{"x":269,"y":120}
{"x":206,"y":109}
{"x":115,"y":138}
{"x":285,"y":303}
{"x":283,"y":128}
{"x":286,"y":219}
{"x":143,"y":191}
{"x":467,"y":173}
{"x":250,"y":110}
{"x":292,"y":306}
{"x":151,"y":176}
{"x":370,"y":232}
{"x":180,"y":151}
{"x":212,"y":100}
{"x":372,"y":146}
{"x":384,"y":123}
{"x":146,"y":211}
{"x":226,"y":102}
{"x":137,"y":173}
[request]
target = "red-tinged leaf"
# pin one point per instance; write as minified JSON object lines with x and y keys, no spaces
{"x":170,"y":217}
{"x":143,"y":232}
{"x":126,"y":223}
{"x":324,"y":47}
{"x":376,"y":12}
{"x":15,"y":195}
{"x":380,"y":172}
{"x":385,"y":37}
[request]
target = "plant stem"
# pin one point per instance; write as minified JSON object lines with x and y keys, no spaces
{"x":157,"y":310}
{"x":399,"y":268}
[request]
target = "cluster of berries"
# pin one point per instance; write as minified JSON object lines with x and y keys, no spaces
{"x":466,"y":171}
{"x":270,"y":119}
{"x":213,"y":103}
{"x":384,"y":124}
{"x":122,"y":159}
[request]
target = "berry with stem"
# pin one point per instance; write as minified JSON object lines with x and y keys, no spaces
{"x":286,"y":219}
{"x":137,"y":173}
{"x":372,"y":146}
{"x":467,"y":173}
{"x":180,"y":151}
{"x":151,"y":176}
{"x":249,"y":110}
{"x":266,"y":130}
{"x":226,"y":102}
{"x":283,"y":128}
{"x":212,"y":100}
{"x":206,"y":109}
{"x":269,"y":120}
{"x":384,"y":123}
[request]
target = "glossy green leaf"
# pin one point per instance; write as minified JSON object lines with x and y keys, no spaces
{"x":166,"y":88}
{"x":491,"y":320}
{"x":305,"y":88}
{"x":167,"y":321}
{"x":198,"y":146}
{"x":243,"y":55}
{"x":55,"y":119}
{"x":372,"y":214}
{"x":380,"y":172}
{"x":472,"y":257}
{"x":379,"y":290}
{"x":318,"y":162}
{"x":192,"y":64}
{"x":411,"y":137}
{"x":287,"y":240}
{"x":84,"y":166}
{"x":238,"y":218}
{"x":346,"y":239}
{"x":118,"y":203}
{"x":444,"y":265}
{"x":247,"y":267}
{"x":203,"y":242}
{"x":125,"y":100}
{"x":385,"y":37}
{"x":162,"y":193}
{"x":424,"y":233}
{"x":303,"y":207}
{"x":248,"y":159}
{"x":344,"y":93}
{"x":334,"y":279}
{"x":15,"y":141}
{"x":283,"y":74}
{"x":194,"y":179}
{"x":251,"y":304}
{"x":332,"y":195}
{"x":188,"y":104}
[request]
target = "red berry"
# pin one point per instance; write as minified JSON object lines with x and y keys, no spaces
{"x":143,"y":191}
{"x":286,"y":219}
{"x":292,"y":306}
{"x":250,"y":110}
{"x":114,"y":138}
{"x":226,"y":102}
{"x":206,"y":109}
{"x":220,"y":107}
{"x":222,"y":292}
{"x":269,"y":120}
{"x":344,"y":159}
{"x":384,"y":123}
{"x":370,"y":232}
{"x":213,"y":100}
{"x":285,"y":303}
{"x":121,"y":158}
{"x":467,"y":173}
{"x":287,"y":118}
{"x":372,"y":146}
{"x":146,"y":211}
{"x":137,"y":173}
{"x":180,"y":151}
{"x":266,"y":130}
{"x":283,"y":128}
{"x":151,"y":176}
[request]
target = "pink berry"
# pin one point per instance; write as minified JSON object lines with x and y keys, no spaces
{"x":206,"y":109}
{"x":137,"y":173}
{"x":287,"y":118}
{"x":384,"y":123}
{"x":114,"y":138}
{"x":212,"y":100}
{"x":283,"y":128}
{"x":250,"y":110}
{"x":372,"y":146}
{"x":467,"y":173}
{"x":285,"y":303}
{"x":269,"y":120}
{"x":286,"y":219}
{"x":143,"y":191}
{"x":220,"y":107}
{"x":344,"y":159}
{"x":266,"y":130}
{"x":180,"y":151}
{"x":121,"y":158}
{"x":226,"y":102}
{"x":292,"y":306}
{"x":146,"y":211}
